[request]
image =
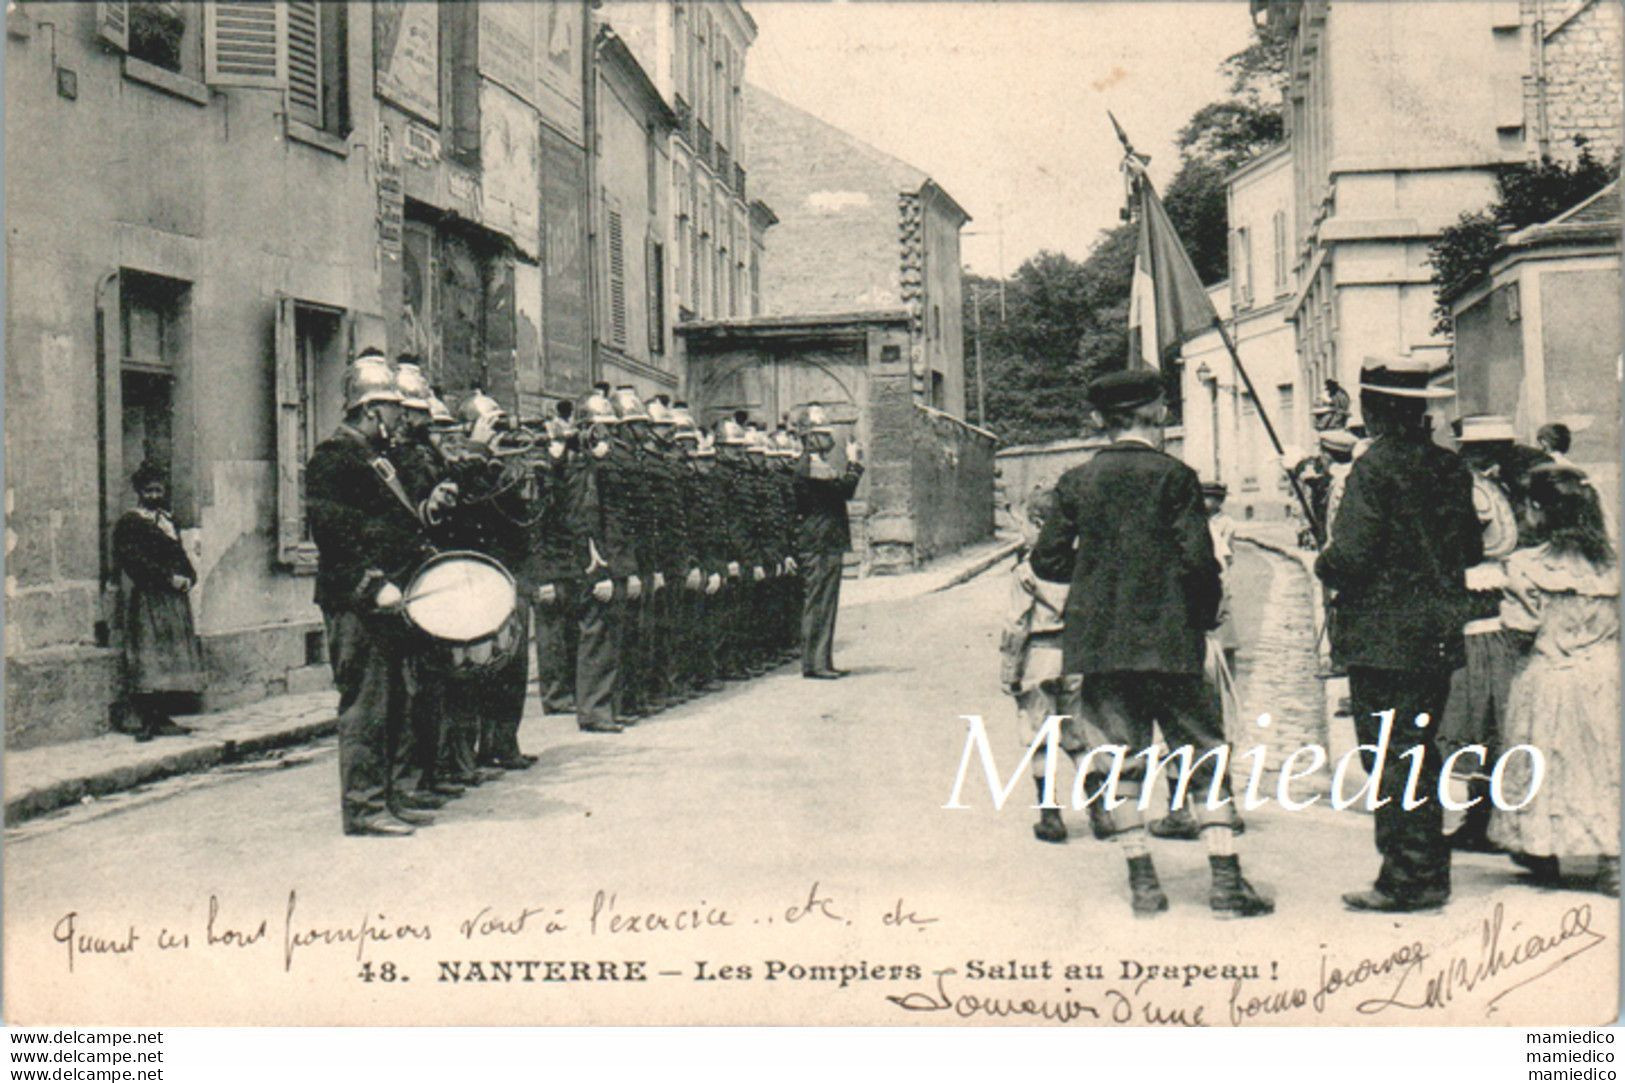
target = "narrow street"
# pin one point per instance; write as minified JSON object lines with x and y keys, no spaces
{"x":808,"y":815}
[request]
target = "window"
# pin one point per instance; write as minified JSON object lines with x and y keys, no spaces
{"x":1281,"y":284}
{"x":680,"y":226}
{"x":936,"y":322}
{"x":656,"y":270}
{"x":755,"y":280}
{"x":939,"y":391}
{"x":311,"y":343}
{"x":317,"y":74}
{"x":615,"y":265}
{"x":1241,"y":267}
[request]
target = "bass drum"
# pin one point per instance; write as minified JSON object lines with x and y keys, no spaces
{"x":466,"y":608}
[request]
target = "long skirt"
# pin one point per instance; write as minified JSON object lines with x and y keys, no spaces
{"x":1568,"y":709}
{"x":161,"y":650}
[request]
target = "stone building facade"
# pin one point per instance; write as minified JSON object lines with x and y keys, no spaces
{"x":1224,"y":440}
{"x":211,"y":208}
{"x":859,"y":230}
{"x":1572,"y":90}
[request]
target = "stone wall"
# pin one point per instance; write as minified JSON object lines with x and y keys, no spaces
{"x":1582,"y":45}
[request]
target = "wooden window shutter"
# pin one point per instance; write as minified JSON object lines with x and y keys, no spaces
{"x":305,"y":62}
{"x":113,"y":22}
{"x":655,"y":266}
{"x":293,"y":550}
{"x":616,"y":240}
{"x":245,"y":43}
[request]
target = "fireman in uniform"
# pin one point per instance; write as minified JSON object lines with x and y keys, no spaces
{"x":708,"y":537}
{"x":737,"y":519}
{"x":823,"y":536}
{"x":557,"y":575}
{"x":677,"y":555}
{"x":601,"y":531}
{"x":369,"y":535}
{"x":420,"y":467}
{"x":628,"y":491}
{"x":783,"y":456}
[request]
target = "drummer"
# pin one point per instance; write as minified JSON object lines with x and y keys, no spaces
{"x":369,"y":535}
{"x":497,"y":517}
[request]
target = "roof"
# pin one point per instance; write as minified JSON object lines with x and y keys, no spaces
{"x":616,"y":49}
{"x":767,"y":113}
{"x":1595,"y":218}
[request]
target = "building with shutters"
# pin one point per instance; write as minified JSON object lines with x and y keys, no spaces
{"x":1383,"y":162}
{"x":211,"y":206}
{"x":1224,"y":438}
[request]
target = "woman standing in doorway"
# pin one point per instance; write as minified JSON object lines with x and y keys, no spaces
{"x":162,"y":659}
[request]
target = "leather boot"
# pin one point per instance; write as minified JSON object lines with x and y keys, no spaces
{"x":1232,"y":895}
{"x":1608,"y":876}
{"x":1142,"y":881}
{"x":1050,"y":827}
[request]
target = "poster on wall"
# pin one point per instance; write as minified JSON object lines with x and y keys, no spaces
{"x":406,"y":43}
{"x":509,"y":155}
{"x":558,"y":54}
{"x":564,"y":265}
{"x":507,"y":40}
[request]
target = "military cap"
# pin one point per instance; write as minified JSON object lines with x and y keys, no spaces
{"x":1125,"y":390}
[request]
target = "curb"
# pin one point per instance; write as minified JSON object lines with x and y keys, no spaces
{"x":55,"y":795}
{"x":982,"y":564}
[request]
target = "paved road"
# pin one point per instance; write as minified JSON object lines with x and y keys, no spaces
{"x":730,"y":809}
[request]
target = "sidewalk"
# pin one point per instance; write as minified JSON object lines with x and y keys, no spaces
{"x":41,"y":780}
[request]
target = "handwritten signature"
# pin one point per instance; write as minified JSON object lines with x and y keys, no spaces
{"x":1117,"y":1007}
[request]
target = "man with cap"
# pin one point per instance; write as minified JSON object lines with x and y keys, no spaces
{"x":823,"y":535}
{"x":631,"y":480}
{"x":1406,"y":535}
{"x":369,"y":535}
{"x":738,"y":495}
{"x":1130,"y":534}
{"x":708,"y":541}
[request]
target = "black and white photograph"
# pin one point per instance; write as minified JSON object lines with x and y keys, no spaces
{"x":652,"y":513}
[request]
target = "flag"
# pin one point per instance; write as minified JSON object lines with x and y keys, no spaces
{"x":1168,"y":306}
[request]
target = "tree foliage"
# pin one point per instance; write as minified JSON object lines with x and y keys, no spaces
{"x":1067,"y":321}
{"x":1529,"y":194}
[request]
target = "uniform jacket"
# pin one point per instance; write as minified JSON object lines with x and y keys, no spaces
{"x":1406,"y":533}
{"x":706,"y":518}
{"x":599,"y":517}
{"x":1131,"y":535}
{"x":366,"y":532}
{"x":822,"y":526}
{"x":553,"y":540}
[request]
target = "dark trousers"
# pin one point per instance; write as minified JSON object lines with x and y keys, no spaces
{"x":657,"y":644}
{"x":367,"y":655}
{"x":557,"y":634}
{"x":426,"y":709}
{"x":598,"y":656}
{"x":1126,"y":705}
{"x":1415,"y":855}
{"x":822,"y":575}
{"x":699,"y":650}
{"x":501,"y":701}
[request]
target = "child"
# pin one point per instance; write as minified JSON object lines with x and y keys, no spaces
{"x":1031,"y":671}
{"x":1565,"y":701}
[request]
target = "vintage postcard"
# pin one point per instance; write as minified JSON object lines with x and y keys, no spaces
{"x":701,"y":512}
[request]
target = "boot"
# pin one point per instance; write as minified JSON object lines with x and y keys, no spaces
{"x":1232,"y":896}
{"x":1472,"y":835}
{"x":1542,"y":868}
{"x":1608,"y":876}
{"x":1100,"y":817}
{"x":1178,"y":824}
{"x":1050,"y":827}
{"x":1142,"y":881}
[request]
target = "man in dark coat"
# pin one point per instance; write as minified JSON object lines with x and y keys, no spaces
{"x":369,"y":536}
{"x":823,"y":535}
{"x":162,"y":659}
{"x":1130,"y":534}
{"x":1406,"y":534}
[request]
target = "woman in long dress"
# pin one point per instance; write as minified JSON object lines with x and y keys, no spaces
{"x":1565,"y":701}
{"x":162,"y":658}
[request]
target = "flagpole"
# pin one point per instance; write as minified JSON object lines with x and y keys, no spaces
{"x":1269,"y":429}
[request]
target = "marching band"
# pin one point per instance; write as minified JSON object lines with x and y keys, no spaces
{"x":654,"y":560}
